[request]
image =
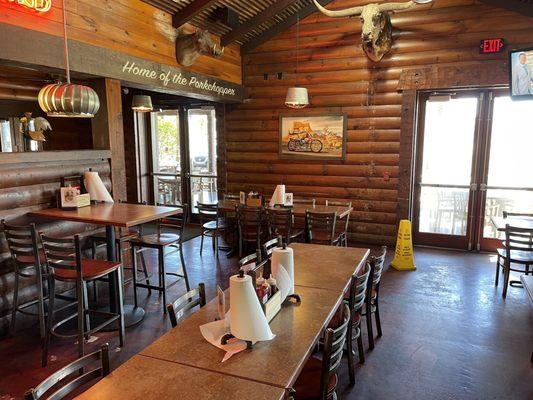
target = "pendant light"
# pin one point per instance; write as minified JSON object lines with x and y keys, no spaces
{"x":142,"y":103}
{"x":68,"y":99}
{"x":297,"y":97}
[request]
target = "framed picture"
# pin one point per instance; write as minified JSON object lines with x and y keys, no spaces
{"x":521,"y":73}
{"x":313,"y":137}
{"x":68,"y":197}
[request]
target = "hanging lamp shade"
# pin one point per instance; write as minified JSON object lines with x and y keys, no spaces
{"x":68,"y":100}
{"x":142,"y":103}
{"x":297,"y":97}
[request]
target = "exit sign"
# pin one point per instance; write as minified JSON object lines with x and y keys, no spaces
{"x":491,"y":46}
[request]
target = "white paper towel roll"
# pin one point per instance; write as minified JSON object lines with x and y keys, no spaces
{"x":247,"y":319}
{"x":285,"y":257}
{"x":278,"y":197}
{"x":96,"y":187}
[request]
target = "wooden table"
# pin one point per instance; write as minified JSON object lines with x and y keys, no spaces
{"x":516,"y":222}
{"x":112,"y":215}
{"x":145,"y":378}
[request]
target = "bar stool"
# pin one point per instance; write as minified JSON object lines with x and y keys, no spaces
{"x":161,"y":241}
{"x":66,"y":264}
{"x":212,"y":224}
{"x":29,"y":263}
{"x":281,"y":222}
{"x":320,"y":228}
{"x":342,"y":233}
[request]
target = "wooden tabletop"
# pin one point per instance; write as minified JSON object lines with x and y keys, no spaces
{"x":145,"y":378}
{"x":527,"y":281}
{"x":277,"y":362}
{"x":116,"y":214}
{"x":297,"y":209}
{"x":326,"y":267}
{"x":516,"y":222}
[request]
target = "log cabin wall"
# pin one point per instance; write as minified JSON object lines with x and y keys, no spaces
{"x":127,"y":26}
{"x":340,"y":79}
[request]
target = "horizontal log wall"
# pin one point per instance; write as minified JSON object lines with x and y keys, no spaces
{"x":128,"y":26}
{"x":341,"y":79}
{"x":30,"y":182}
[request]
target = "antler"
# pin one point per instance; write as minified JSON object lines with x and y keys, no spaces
{"x":339,"y":13}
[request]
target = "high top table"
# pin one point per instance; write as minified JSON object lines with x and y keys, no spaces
{"x":112,"y":215}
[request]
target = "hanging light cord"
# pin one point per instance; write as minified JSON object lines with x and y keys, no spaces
{"x":67,"y":65}
{"x":297,"y":43}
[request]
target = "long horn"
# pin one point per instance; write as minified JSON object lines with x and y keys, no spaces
{"x":396,"y":6}
{"x":339,"y":13}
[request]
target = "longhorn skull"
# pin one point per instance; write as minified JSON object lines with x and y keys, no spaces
{"x":189,"y":47}
{"x":377,"y":29}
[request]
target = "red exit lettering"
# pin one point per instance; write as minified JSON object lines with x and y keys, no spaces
{"x":491,"y":46}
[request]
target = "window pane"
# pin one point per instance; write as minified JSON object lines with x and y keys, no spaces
{"x":202,"y":142}
{"x":498,"y":201}
{"x":203,"y":190}
{"x":166,"y":143}
{"x":443,"y":210}
{"x":168,"y":189}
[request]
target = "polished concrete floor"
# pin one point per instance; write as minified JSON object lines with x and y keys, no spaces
{"x":448,"y":334}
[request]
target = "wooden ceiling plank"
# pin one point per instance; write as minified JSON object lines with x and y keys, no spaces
{"x":251,"y":23}
{"x":282,"y":26}
{"x":190,"y":11}
{"x":523,"y":7}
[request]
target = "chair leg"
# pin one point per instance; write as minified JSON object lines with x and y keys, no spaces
{"x":378,"y":319}
{"x":51,"y":304}
{"x":15,"y":302}
{"x":496,"y":280}
{"x":360,"y":347}
{"x":349,"y":347}
{"x":369,"y":325}
{"x":202,"y":243}
{"x":86,"y":306}
{"x":120,"y":294}
{"x":93,"y":249}
{"x":185,"y":275}
{"x":40,"y":304}
{"x":506,"y":275}
{"x":81,"y":317}
{"x":215,"y":240}
{"x":162,"y":276}
{"x":145,"y":271}
{"x":134,"y":273}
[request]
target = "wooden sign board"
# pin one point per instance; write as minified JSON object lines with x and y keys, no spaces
{"x":46,"y":51}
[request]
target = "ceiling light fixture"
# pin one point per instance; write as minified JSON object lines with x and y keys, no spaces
{"x":297,"y":97}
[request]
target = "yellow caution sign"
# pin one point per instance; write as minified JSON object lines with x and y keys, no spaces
{"x":403,"y":255}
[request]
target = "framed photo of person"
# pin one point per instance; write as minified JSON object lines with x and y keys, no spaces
{"x":521,"y":73}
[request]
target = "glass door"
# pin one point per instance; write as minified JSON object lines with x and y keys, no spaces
{"x":445,"y":169}
{"x":202,"y":156}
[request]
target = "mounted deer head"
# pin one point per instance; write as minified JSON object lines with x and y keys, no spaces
{"x":377,"y":29}
{"x":189,"y":47}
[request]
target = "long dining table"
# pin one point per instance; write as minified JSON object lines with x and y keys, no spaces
{"x":322,"y":275}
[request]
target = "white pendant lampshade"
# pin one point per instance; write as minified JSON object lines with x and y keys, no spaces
{"x":142,"y":103}
{"x":68,"y":100}
{"x":297,"y":97}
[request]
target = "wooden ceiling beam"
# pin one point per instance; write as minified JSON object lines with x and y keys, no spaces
{"x":258,"y":19}
{"x":282,"y":26}
{"x":521,"y":6}
{"x":190,"y":11}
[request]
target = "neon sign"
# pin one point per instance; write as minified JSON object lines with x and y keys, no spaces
{"x":37,"y":5}
{"x":491,"y":46}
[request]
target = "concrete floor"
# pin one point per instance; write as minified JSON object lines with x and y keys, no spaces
{"x":448,"y":334}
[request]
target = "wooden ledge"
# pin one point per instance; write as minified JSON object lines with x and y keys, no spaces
{"x":51,"y":156}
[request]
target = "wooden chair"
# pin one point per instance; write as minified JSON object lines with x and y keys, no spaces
{"x":356,"y":301}
{"x":318,"y":379}
{"x":66,"y":264}
{"x":212,"y":224}
{"x":372,"y":295}
{"x":320,"y":228}
{"x":62,"y":389}
{"x":341,"y":231}
{"x":281,"y":222}
{"x":29,"y":263}
{"x":517,"y":254}
{"x":161,"y":241}
{"x":251,"y":225}
{"x":191,"y":299}
{"x":252,"y":261}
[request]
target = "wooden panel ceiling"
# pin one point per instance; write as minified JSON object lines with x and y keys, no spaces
{"x":521,"y":6}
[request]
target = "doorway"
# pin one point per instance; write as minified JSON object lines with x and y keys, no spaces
{"x":473,"y":151}
{"x":184,"y":159}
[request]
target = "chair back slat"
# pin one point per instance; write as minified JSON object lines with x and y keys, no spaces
{"x":179,"y":307}
{"x":250,"y":221}
{"x":311,"y":202}
{"x":269,"y":246}
{"x":23,"y":241}
{"x":63,"y":253}
{"x":57,"y":378}
{"x":252,"y":262}
{"x":358,"y":287}
{"x":280,"y":222}
{"x":377,"y":263}
{"x":321,"y":227}
{"x":518,"y":239}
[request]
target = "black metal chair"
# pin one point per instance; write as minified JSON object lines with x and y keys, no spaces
{"x":60,"y":389}
{"x":372,"y":295}
{"x":356,"y":301}
{"x":183,"y":304}
{"x":341,"y":231}
{"x":269,"y":246}
{"x":320,"y":228}
{"x":281,"y":222}
{"x":251,"y":226}
{"x":212,"y":224}
{"x":160,"y":241}
{"x":318,"y":379}
{"x":517,"y":254}
{"x":29,"y":263}
{"x":66,"y":264}
{"x":252,"y":261}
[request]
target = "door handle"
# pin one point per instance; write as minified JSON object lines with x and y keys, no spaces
{"x":483,"y":187}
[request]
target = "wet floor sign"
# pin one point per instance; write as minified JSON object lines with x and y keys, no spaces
{"x":403,"y":255}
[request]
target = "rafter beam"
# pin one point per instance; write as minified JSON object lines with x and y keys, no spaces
{"x":258,"y":19}
{"x":282,"y":26}
{"x":190,"y":11}
{"x":521,"y":6}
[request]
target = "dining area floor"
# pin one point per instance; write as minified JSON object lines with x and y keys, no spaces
{"x":447,"y":332}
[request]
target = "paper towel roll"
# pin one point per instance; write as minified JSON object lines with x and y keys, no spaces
{"x":285,"y":257}
{"x":96,"y":187}
{"x":278,"y":197}
{"x":247,"y":319}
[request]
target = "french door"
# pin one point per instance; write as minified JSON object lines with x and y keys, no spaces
{"x":184,"y":156}
{"x":473,"y":151}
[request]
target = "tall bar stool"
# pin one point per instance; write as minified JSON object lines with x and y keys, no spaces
{"x":281,"y":222}
{"x":212,"y":224}
{"x":372,"y":295}
{"x":320,"y":228}
{"x":66,"y":264}
{"x":29,"y":263}
{"x":160,"y":241}
{"x":341,"y":231}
